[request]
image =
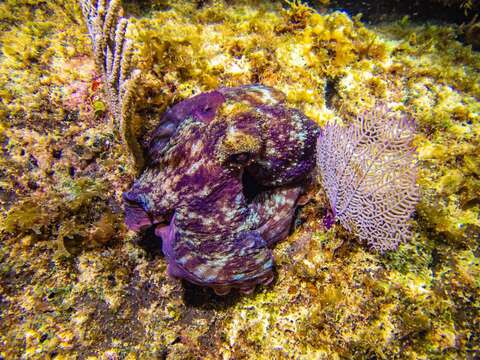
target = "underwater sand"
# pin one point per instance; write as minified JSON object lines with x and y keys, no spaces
{"x":76,"y":284}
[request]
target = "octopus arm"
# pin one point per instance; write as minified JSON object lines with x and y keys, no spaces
{"x":274,"y":211}
{"x":240,"y":260}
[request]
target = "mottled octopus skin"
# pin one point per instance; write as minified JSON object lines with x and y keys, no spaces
{"x":213,"y":233}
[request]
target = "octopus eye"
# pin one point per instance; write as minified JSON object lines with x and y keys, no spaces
{"x":208,"y":111}
{"x":240,"y":158}
{"x":205,"y":112}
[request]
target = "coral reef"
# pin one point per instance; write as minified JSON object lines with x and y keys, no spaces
{"x":226,"y":170}
{"x":75,"y":283}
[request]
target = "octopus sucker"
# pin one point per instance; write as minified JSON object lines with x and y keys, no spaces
{"x":226,"y":170}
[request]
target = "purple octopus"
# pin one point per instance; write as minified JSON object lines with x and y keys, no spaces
{"x":225,"y":173}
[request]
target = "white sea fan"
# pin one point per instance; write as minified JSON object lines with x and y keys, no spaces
{"x":368,"y":171}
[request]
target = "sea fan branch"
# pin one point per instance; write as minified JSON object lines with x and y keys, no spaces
{"x":368,"y":171}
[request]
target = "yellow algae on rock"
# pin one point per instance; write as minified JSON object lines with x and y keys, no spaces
{"x":451,"y":182}
{"x":63,"y":170}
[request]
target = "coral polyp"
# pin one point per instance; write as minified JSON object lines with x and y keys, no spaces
{"x":225,"y":171}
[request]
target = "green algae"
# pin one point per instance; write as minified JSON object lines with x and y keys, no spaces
{"x":76,"y":284}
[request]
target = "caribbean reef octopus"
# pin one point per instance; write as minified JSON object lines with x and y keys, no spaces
{"x":225,"y":173}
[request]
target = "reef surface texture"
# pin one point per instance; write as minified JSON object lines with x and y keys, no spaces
{"x":76,"y":283}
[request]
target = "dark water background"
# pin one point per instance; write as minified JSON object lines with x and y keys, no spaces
{"x":435,"y":12}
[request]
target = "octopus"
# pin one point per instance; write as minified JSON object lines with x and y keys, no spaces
{"x":226,"y":171}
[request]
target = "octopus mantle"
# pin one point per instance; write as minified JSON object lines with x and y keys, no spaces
{"x":225,"y":172}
